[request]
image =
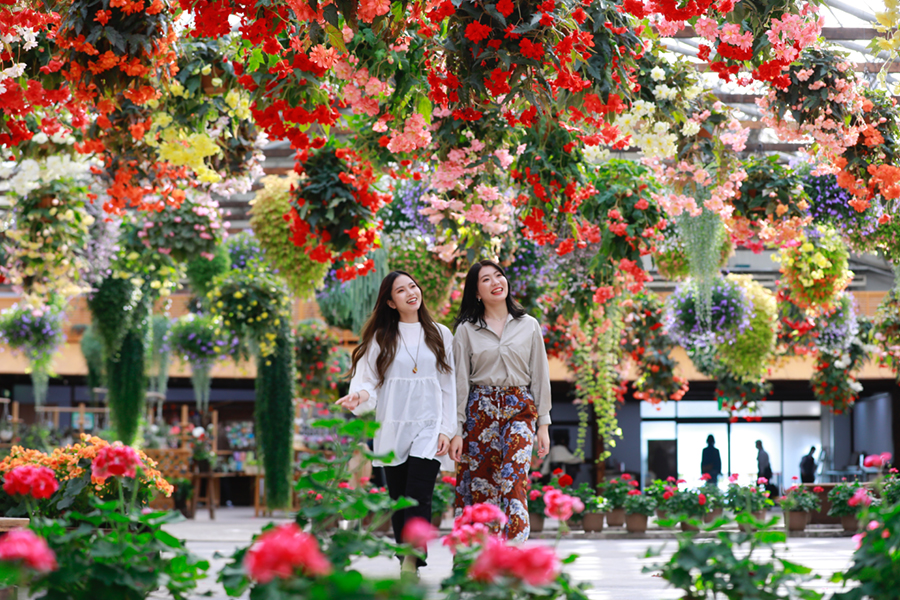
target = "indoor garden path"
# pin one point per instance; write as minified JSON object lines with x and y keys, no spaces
{"x":612,"y":567}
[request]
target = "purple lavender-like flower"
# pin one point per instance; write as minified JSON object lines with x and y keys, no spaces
{"x":838,"y":328}
{"x":729,"y":313}
{"x":830,"y":205}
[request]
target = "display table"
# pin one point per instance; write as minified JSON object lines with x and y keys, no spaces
{"x":212,"y":488}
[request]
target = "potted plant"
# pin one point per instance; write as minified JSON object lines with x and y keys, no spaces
{"x":797,"y":503}
{"x":594,"y":509}
{"x":638,"y":508}
{"x":753,"y":499}
{"x":442,"y":501}
{"x":184,"y":491}
{"x":847,"y":500}
{"x":536,"y":507}
{"x":687,"y":505}
{"x":615,"y":491}
{"x":715,"y":502}
{"x":202,"y":453}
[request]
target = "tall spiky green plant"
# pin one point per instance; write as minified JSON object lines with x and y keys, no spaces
{"x":92,"y":350}
{"x":275,"y":377}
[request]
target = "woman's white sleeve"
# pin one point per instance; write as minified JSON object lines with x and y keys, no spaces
{"x":366,"y":378}
{"x":448,"y":389}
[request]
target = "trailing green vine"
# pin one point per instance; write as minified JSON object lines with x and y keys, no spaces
{"x":92,"y":350}
{"x":127,"y":383}
{"x":347,"y":305}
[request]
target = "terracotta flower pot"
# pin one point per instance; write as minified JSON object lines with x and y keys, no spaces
{"x":796,"y":520}
{"x":685,"y":526}
{"x":437,"y":518}
{"x":593,"y":522}
{"x":636,"y":523}
{"x":576,"y":523}
{"x":661,"y":514}
{"x":850,"y":523}
{"x":712,"y":515}
{"x":537,"y":522}
{"x":615,"y":517}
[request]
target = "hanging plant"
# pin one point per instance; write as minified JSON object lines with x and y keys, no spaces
{"x":153,"y":270}
{"x":670,"y":257}
{"x":243,"y":249}
{"x":559,"y":336}
{"x":267,"y":218}
{"x":275,"y":377}
{"x":113,"y":306}
{"x":527,"y":271}
{"x":796,"y":327}
{"x":252,"y":304}
{"x":159,"y":354}
{"x":347,"y":304}
{"x":645,"y":340}
{"x":127,"y":382}
{"x":729,"y":314}
{"x":820,"y":98}
{"x":816,"y":270}
{"x":115,"y":48}
{"x":313,"y":343}
{"x":887,"y":331}
{"x":200,"y":341}
{"x":750,"y":354}
{"x":830,"y":206}
{"x":836,"y":329}
{"x":333,"y":209}
{"x":49,"y":227}
{"x":187,"y":231}
{"x":201,"y":271}
{"x":101,"y":247}
{"x":35,"y":331}
{"x":597,"y":385}
{"x":92,"y":351}
{"x":736,"y":394}
{"x":410,"y":253}
{"x":833,"y":382}
{"x":771,"y":208}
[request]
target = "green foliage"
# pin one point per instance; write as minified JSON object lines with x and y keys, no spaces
{"x":243,"y":248}
{"x":127,"y":385}
{"x":201,"y":271}
{"x":92,"y":350}
{"x":187,"y":231}
{"x":747,"y":498}
{"x":275,"y":377}
{"x":799,"y":498}
{"x":347,"y":305}
{"x":292,"y":262}
{"x":771,"y":192}
{"x":750,"y":354}
{"x":313,"y":343}
{"x":159,"y":353}
{"x":116,"y":552}
{"x":253,"y":303}
{"x":639,"y":504}
{"x":840,"y":496}
{"x":890,"y":492}
{"x":616,"y":490}
{"x":735,"y":565}
{"x":874,"y":571}
{"x":687,"y":503}
{"x":112,"y":308}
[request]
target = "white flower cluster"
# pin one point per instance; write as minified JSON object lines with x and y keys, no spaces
{"x":653,"y":137}
{"x":29,"y":174}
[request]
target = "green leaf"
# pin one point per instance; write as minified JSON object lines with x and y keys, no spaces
{"x":424,"y":108}
{"x":257,"y":58}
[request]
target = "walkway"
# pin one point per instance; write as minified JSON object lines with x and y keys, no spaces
{"x":612,"y":567}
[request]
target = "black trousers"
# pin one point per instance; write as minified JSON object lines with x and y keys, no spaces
{"x":413,"y":479}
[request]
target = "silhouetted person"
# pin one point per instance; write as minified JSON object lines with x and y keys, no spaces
{"x":808,"y":467}
{"x":711,"y":461}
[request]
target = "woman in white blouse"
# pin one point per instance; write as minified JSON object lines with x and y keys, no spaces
{"x":503,"y":391}
{"x":402,"y":370}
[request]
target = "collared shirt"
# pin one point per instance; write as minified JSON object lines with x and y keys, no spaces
{"x":515,"y":358}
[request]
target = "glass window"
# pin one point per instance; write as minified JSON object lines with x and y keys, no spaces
{"x":692,"y":441}
{"x":767,"y":408}
{"x":799,"y":436}
{"x":801,"y":409}
{"x":743,"y":449}
{"x":665,"y":410}
{"x":653,"y":433}
{"x":695,"y":408}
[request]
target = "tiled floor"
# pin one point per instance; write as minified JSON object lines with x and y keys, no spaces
{"x":612,"y":567}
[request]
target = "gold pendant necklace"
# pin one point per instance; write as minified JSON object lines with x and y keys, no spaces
{"x":416,"y":359}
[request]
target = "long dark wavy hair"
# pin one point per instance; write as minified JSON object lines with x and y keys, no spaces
{"x":382,"y":326}
{"x":471,"y":309}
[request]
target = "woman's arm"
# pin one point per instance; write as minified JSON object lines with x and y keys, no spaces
{"x":447,"y":380}
{"x":461,"y":356}
{"x":363,"y":395}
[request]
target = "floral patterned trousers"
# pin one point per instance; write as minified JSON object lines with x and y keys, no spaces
{"x":497,"y":441}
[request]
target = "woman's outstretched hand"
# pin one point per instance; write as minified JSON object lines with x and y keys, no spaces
{"x":456,"y":446}
{"x":352,"y":400}
{"x":443,"y":445}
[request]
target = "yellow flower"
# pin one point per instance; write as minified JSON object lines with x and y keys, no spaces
{"x":238,"y":295}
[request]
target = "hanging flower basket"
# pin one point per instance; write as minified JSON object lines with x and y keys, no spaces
{"x":200,"y":341}
{"x":816,"y":270}
{"x":750,"y":354}
{"x":729,"y":313}
{"x":36,"y":331}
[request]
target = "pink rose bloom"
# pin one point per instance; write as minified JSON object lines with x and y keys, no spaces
{"x":418,"y":532}
{"x":25,"y":545}
{"x":283,"y":550}
{"x":115,"y":460}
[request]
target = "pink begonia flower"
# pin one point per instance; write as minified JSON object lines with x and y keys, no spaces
{"x":872,"y":525}
{"x":418,"y":532}
{"x":877,"y":460}
{"x":369,"y":9}
{"x":32,"y":550}
{"x":115,"y":460}
{"x":536,"y":565}
{"x":733,"y":477}
{"x":279,"y":552}
{"x":858,"y":538}
{"x":707,"y":28}
{"x":561,"y":506}
{"x":861,"y":496}
{"x":762,"y":481}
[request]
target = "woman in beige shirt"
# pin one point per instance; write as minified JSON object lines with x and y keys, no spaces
{"x":503,"y":391}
